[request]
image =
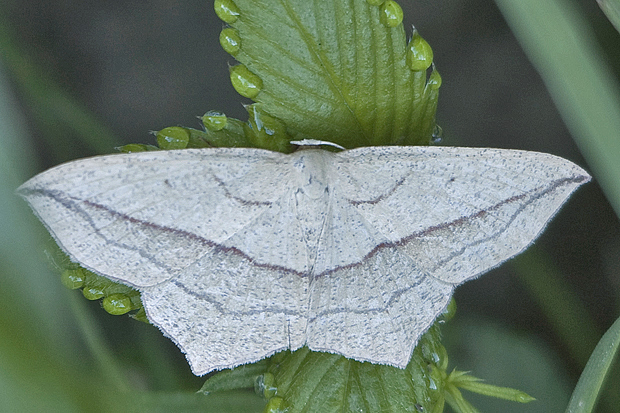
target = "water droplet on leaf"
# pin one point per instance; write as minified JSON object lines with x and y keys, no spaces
{"x":265,"y":131}
{"x":245,"y":82}
{"x":73,"y":279}
{"x":436,"y":138}
{"x":390,"y":13}
{"x":434,"y":80}
{"x":174,"y":137}
{"x":117,"y":304}
{"x":230,"y":40}
{"x":265,"y":385}
{"x":226,"y":10}
{"x":137,"y":147}
{"x":93,"y":293}
{"x":214,"y":121}
{"x":419,"y":53}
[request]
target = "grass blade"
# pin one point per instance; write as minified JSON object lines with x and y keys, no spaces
{"x":611,"y":8}
{"x":593,"y":376}
{"x":560,"y":44}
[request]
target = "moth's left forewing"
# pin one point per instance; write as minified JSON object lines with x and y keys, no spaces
{"x":140,"y":218}
{"x":459,"y":211}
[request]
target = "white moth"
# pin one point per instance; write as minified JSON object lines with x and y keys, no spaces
{"x":239,"y":253}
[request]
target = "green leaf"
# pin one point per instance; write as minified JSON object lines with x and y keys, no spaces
{"x":241,"y":377}
{"x":591,"y":381}
{"x":562,"y":47}
{"x":611,"y":8}
{"x":310,"y":381}
{"x":334,"y":71}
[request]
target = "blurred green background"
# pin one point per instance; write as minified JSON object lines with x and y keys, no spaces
{"x":78,"y":78}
